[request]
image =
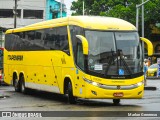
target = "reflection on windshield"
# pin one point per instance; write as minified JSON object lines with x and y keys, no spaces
{"x":100,"y":42}
{"x":114,"y":53}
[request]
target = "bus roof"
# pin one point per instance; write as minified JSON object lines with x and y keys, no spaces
{"x":89,"y":22}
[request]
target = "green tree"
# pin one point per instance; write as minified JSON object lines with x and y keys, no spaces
{"x":124,"y":9}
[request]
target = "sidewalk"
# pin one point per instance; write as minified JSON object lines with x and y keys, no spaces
{"x":153,"y":83}
{"x":2,"y":93}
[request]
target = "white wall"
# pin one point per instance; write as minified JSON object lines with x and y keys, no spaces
{"x":22,"y":4}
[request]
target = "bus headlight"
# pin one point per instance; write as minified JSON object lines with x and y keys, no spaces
{"x":94,"y":83}
{"x":91,"y":82}
{"x":140,"y":83}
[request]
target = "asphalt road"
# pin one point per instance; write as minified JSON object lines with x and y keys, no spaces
{"x":42,"y":101}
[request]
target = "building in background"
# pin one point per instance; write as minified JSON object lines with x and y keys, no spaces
{"x":28,"y":12}
{"x":1,"y":38}
{"x":53,"y":9}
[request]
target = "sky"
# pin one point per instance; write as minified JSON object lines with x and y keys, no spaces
{"x":68,"y":4}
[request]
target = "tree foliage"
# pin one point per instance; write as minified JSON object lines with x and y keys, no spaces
{"x":124,"y":9}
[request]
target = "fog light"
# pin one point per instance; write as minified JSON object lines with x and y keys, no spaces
{"x":94,"y":92}
{"x":139,"y":92}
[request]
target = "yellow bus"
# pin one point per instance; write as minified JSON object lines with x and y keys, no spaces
{"x":87,"y":57}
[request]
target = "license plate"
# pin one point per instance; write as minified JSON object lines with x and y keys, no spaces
{"x":118,"y":94}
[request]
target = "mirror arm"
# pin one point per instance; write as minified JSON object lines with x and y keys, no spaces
{"x":84,"y":44}
{"x":149,"y":46}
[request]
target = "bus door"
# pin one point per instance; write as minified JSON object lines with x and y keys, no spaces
{"x":79,"y":82}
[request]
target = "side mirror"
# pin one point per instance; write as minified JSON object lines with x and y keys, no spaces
{"x":149,"y":46}
{"x":84,"y":44}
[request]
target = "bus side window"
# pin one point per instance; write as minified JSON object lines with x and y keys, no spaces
{"x":75,"y":30}
{"x":62,"y":40}
{"x":31,"y":35}
{"x":49,"y":38}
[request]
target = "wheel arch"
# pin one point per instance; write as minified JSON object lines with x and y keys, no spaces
{"x":67,"y":79}
{"x":21,"y":74}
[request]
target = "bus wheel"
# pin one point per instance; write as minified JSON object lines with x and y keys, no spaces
{"x":155,"y":74}
{"x":71,"y":98}
{"x":23,"y":89}
{"x":116,"y":101}
{"x":16,"y":85}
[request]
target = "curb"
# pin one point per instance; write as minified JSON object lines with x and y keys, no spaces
{"x":2,"y":96}
{"x":150,"y":88}
{"x":155,"y":78}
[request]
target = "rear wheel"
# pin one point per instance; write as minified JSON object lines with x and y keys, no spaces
{"x":116,"y":101}
{"x":71,"y":98}
{"x":23,"y":89}
{"x":16,"y":84}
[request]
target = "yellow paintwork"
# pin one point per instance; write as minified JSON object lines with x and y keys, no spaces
{"x":90,"y":22}
{"x":149,"y":45}
{"x":46,"y":67}
{"x":104,"y":93}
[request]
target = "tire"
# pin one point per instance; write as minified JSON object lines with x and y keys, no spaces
{"x":23,"y":89}
{"x":155,"y":74}
{"x":116,"y":101}
{"x":71,"y":98}
{"x":16,"y":84}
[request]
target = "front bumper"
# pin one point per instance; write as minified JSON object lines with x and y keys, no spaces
{"x":95,"y":92}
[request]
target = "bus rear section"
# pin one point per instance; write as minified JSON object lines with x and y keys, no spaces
{"x":1,"y":66}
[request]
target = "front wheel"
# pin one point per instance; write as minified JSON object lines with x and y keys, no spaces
{"x":71,"y":98}
{"x":155,"y":74}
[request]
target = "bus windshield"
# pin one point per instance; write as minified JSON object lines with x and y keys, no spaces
{"x":114,"y":53}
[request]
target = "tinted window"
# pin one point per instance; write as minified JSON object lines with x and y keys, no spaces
{"x":50,"y":38}
{"x":75,"y":30}
{"x":62,"y":39}
{"x":45,"y":39}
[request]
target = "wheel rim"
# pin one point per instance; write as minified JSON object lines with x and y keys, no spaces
{"x":22,"y":84}
{"x":16,"y":84}
{"x":23,"y":88}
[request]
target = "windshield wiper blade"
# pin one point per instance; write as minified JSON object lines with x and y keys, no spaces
{"x":120,"y":54}
{"x":111,"y":59}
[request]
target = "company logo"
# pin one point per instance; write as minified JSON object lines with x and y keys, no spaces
{"x":15,"y":57}
{"x":6,"y":114}
{"x":21,"y":114}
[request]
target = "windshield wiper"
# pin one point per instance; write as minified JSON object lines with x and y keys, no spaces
{"x":120,"y":54}
{"x":111,"y":61}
